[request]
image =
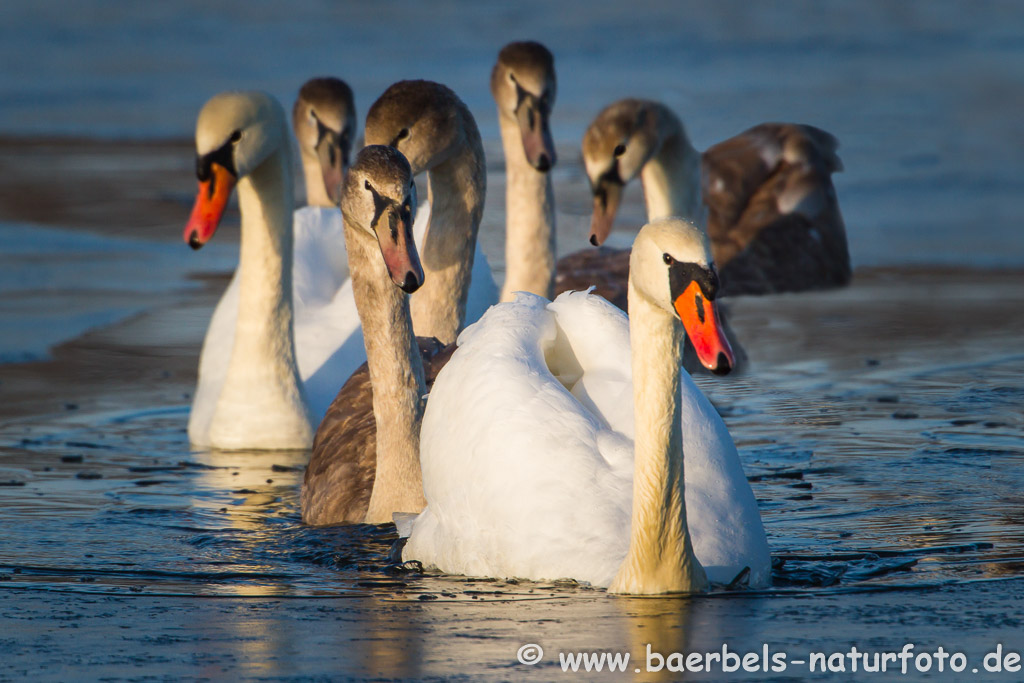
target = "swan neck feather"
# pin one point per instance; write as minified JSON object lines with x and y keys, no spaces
{"x":660,"y":558}
{"x":529,"y":220}
{"x":456,"y":189}
{"x":396,"y":374}
{"x":316,"y":193}
{"x":262,"y":368}
{"x":671,"y":178}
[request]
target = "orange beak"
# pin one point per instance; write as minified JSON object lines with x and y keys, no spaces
{"x":700,"y":318}
{"x":211,"y":201}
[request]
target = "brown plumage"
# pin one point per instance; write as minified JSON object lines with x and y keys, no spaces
{"x":338,"y":489}
{"x":605,"y":269}
{"x":773,"y":217}
{"x":329,"y":96}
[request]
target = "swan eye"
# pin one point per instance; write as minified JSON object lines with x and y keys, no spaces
{"x":236,"y":136}
{"x":402,"y":134}
{"x":620,"y":149}
{"x":667,"y":259}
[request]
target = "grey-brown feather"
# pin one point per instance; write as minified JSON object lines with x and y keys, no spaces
{"x":760,"y":245}
{"x":325,"y":92}
{"x":340,"y":475}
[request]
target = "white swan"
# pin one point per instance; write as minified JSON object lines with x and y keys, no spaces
{"x":551,"y":449}
{"x":241,"y":137}
{"x":328,"y":345}
{"x":328,"y":336}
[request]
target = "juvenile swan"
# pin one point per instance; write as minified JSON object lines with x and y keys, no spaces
{"x":771,"y":210}
{"x":361,"y":471}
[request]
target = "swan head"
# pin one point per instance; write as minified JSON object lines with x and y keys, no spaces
{"x":324,"y":121}
{"x":671,"y":266}
{"x":616,"y":146}
{"x":235,"y":133}
{"x":523,"y":85}
{"x":422,"y":119}
{"x":378,"y":198}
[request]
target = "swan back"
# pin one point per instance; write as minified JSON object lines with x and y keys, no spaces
{"x":527,"y":453}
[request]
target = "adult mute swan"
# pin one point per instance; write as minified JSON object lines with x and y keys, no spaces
{"x":435,"y":130}
{"x":562,"y":439}
{"x":241,"y":138}
{"x":772,"y":213}
{"x":326,"y":327}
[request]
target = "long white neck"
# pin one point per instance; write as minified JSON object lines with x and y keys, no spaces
{"x":456,"y":189}
{"x":396,"y":374}
{"x":671,"y":178}
{"x":316,"y":193}
{"x":660,"y":557}
{"x":262,"y":399}
{"x":529,"y":220}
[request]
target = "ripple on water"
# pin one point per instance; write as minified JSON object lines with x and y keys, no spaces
{"x":851,"y":499}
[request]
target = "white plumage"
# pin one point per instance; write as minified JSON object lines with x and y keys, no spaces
{"x":328,"y":337}
{"x":527,"y":454}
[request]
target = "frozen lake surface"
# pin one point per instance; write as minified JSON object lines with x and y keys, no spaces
{"x":881,"y":426}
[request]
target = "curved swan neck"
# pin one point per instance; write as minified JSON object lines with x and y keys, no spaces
{"x":396,"y":374}
{"x":316,"y":193}
{"x":263,"y":367}
{"x":529,"y":220}
{"x":660,"y":558}
{"x":456,"y":189}
{"x":671,"y":178}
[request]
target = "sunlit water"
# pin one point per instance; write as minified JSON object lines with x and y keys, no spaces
{"x":886,"y":460}
{"x":866,"y":479}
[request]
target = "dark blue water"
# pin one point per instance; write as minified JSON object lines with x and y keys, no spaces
{"x":924,"y":96}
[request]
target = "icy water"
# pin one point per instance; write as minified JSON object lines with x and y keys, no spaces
{"x":881,"y":426}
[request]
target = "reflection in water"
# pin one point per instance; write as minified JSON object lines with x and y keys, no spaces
{"x":661,"y":627}
{"x":870,"y":477}
{"x":850,"y":496}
